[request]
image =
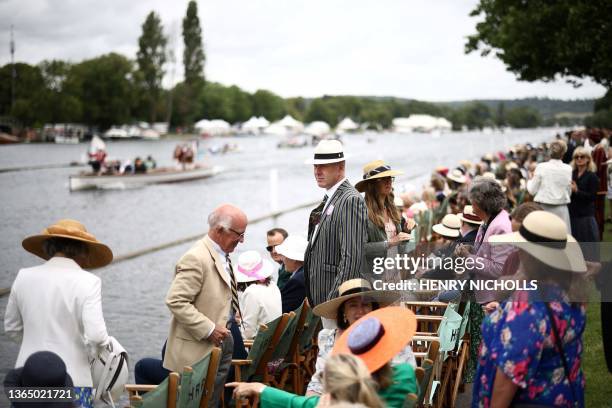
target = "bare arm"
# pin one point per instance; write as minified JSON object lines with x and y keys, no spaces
{"x":503,"y":390}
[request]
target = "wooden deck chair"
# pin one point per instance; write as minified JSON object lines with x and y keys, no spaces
{"x":454,"y":347}
{"x":255,"y":366}
{"x":426,"y":380}
{"x":308,"y":348}
{"x":410,"y":401}
{"x":198,"y":381}
{"x":290,"y":368}
{"x":280,"y":355}
{"x":157,"y":396}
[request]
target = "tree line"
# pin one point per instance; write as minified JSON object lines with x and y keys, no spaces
{"x":112,"y":89}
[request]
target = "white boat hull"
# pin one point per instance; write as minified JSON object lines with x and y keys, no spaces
{"x":89,"y":181}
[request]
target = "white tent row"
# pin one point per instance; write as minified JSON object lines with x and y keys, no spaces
{"x":346,"y":125}
{"x":420,"y":123}
{"x":255,"y":125}
{"x":286,"y":126}
{"x":141,"y":130}
{"x":213,"y":127}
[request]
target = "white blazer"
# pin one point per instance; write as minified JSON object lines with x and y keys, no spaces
{"x":57,"y":307}
{"x":259,"y":304}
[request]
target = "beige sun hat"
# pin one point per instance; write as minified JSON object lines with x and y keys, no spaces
{"x":457,"y":176}
{"x":374,"y":170}
{"x":326,"y":152}
{"x":469,"y":216}
{"x":99,"y":254}
{"x":449,"y":227}
{"x":354,"y":288}
{"x":544,"y":236}
{"x":252,"y":267}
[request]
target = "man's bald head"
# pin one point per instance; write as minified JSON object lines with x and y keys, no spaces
{"x":227,"y":225}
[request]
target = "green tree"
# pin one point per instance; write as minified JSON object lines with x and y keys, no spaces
{"x":29,"y":85}
{"x":56,"y":105}
{"x":296,"y":107}
{"x":104,"y":87}
{"x":321,"y":109}
{"x":540,"y":39}
{"x":500,"y":116}
{"x":268,"y":104}
{"x":151,"y":57}
{"x":523,"y":117}
{"x":193,"y":54}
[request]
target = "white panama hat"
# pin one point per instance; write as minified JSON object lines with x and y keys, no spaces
{"x":469,"y":216}
{"x":252,"y":267}
{"x":293,"y":247}
{"x":544,"y":236}
{"x":457,"y":176}
{"x":449,"y":227}
{"x":327,"y":151}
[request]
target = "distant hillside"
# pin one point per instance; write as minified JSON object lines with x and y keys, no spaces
{"x":548,"y":108}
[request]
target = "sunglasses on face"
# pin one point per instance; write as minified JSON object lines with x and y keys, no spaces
{"x":269,"y":248}
{"x":580,"y":156}
{"x":385,"y":179}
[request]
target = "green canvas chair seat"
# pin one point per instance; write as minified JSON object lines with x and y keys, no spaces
{"x":197,"y":381}
{"x":163,"y":395}
{"x":254,"y":367}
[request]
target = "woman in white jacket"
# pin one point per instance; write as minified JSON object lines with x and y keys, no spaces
{"x":57,"y":306}
{"x":260,"y":302}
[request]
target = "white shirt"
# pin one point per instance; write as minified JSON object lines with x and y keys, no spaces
{"x":57,"y":306}
{"x":260,"y":304}
{"x":551,"y":183}
{"x":329,"y":193}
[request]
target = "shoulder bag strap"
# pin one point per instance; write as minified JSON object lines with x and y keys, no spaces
{"x":559,"y":347}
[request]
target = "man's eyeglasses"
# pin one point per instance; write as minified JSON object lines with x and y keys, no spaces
{"x":240,"y":234}
{"x":269,"y":248}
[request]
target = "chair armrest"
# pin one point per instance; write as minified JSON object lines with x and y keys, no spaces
{"x":241,"y":362}
{"x":139,"y":387}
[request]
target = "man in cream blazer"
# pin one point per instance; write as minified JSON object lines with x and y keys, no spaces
{"x":200,"y":297}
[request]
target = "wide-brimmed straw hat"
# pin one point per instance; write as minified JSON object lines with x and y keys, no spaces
{"x":544,"y":236}
{"x":457,"y":176}
{"x":252,"y":267}
{"x":327,"y":151}
{"x":378,"y":336}
{"x":354,"y":288}
{"x":449,"y":227}
{"x":469,"y":216}
{"x":293,"y":247}
{"x":98,"y":254}
{"x":374,"y":170}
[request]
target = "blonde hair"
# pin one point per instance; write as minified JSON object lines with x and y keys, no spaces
{"x":379,"y":206}
{"x":583,"y":152}
{"x":347,"y":379}
{"x":557,"y":149}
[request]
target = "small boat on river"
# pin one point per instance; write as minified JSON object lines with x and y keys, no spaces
{"x":88,"y":181}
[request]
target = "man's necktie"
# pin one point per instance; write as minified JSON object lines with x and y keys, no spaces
{"x":315,"y":217}
{"x":235,"y":304}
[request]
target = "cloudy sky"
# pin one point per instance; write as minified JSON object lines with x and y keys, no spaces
{"x":406,"y":48}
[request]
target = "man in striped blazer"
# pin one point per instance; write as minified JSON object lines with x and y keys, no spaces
{"x":337,"y":229}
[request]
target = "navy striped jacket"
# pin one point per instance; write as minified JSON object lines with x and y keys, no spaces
{"x":336,"y":253}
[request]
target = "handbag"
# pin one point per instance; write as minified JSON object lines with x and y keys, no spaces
{"x":109,"y":372}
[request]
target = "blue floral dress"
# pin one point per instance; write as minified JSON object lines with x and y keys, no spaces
{"x":518,"y":338}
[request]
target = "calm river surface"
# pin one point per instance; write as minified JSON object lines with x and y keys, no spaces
{"x":128,"y":220}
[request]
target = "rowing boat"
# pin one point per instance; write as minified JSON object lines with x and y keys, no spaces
{"x":88,"y":181}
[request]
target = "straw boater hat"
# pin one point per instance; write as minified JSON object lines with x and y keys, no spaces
{"x":354,"y":288}
{"x":293,"y":247}
{"x":457,"y":176}
{"x":469,"y":216}
{"x":98,"y":254}
{"x":544,"y":236}
{"x":252,"y":267}
{"x":378,"y":336}
{"x":327,"y":151}
{"x":449,"y":227}
{"x":374,"y":170}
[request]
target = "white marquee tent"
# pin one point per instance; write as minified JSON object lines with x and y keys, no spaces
{"x":317,"y":128}
{"x":420,"y":123}
{"x":347,"y":125}
{"x":213,"y":127}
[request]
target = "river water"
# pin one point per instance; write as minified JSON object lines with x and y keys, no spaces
{"x":127,"y":220}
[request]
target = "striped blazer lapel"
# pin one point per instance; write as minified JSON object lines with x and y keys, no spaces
{"x":325,"y":219}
